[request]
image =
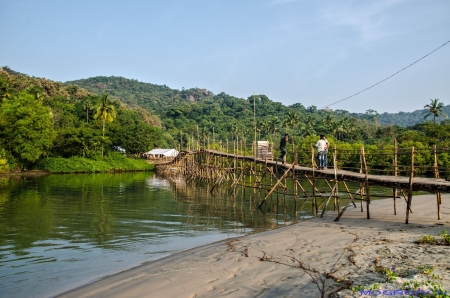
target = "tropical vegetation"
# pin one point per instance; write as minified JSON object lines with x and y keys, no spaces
{"x":90,"y":117}
{"x":42,"y":122}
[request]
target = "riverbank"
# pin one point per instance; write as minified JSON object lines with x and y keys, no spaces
{"x":111,"y":163}
{"x":294,"y":261}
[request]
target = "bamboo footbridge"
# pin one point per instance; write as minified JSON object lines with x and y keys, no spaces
{"x":267,"y":177}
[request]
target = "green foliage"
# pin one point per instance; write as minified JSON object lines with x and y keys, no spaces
{"x":437,"y":291}
{"x":389,"y":273}
{"x":375,"y":286}
{"x":425,"y":269}
{"x":84,"y":141}
{"x":357,"y":288}
{"x":113,"y":161}
{"x":41,"y":118}
{"x":105,"y":110}
{"x":445,"y":237}
{"x":434,"y":108}
{"x":427,"y":239}
{"x":147,"y":116}
{"x":135,"y":136}
{"x":26,"y":128}
{"x":8,"y":162}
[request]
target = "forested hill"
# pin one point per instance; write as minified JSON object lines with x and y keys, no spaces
{"x":410,"y":118}
{"x":195,"y":111}
{"x":155,"y":98}
{"x":158,"y":98}
{"x":87,"y":118}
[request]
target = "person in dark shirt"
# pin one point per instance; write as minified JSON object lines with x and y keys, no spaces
{"x":283,"y":147}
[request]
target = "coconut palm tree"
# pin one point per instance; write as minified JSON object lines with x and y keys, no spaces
{"x":273,"y":123}
{"x":291,"y":121}
{"x":327,"y":122}
{"x":335,"y":128}
{"x":106,"y":111}
{"x":37,"y":92}
{"x":259,"y":127}
{"x":87,"y":106}
{"x":347,"y":126}
{"x":5,"y":90}
{"x":434,"y":108}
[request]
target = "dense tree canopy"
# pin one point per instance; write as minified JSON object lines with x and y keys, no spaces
{"x":43,"y":118}
{"x":146,"y":116}
{"x":26,"y":128}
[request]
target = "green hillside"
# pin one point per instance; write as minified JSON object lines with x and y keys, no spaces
{"x":409,"y":118}
{"x":42,"y":119}
{"x":158,"y":99}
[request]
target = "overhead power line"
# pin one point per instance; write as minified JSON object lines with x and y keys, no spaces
{"x":388,"y":76}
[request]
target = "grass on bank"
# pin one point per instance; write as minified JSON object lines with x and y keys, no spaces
{"x":113,"y":162}
{"x":427,"y":239}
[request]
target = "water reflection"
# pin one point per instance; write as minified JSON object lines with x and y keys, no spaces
{"x":62,"y":231}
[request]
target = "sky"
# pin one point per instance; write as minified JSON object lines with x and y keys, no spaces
{"x":293,"y":51}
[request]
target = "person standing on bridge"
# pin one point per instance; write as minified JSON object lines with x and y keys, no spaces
{"x":322,"y":151}
{"x":283,"y":148}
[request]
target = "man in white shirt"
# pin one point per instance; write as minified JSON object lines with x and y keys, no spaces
{"x":322,"y":151}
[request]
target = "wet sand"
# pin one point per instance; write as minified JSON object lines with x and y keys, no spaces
{"x":295,"y":261}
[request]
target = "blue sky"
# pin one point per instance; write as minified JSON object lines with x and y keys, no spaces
{"x":293,"y":51}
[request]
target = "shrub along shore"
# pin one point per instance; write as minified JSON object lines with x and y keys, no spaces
{"x":113,"y":162}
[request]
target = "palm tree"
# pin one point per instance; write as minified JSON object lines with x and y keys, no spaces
{"x":259,"y":127}
{"x":327,"y":122}
{"x":291,"y":121}
{"x":347,"y":125}
{"x":434,"y":108}
{"x":302,"y":130}
{"x":265,"y":128}
{"x":106,"y":111}
{"x":37,"y":92}
{"x":87,"y":106}
{"x":5,"y":90}
{"x":335,"y":128}
{"x":273,"y":123}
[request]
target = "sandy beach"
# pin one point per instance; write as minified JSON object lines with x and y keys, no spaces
{"x":308,"y":259}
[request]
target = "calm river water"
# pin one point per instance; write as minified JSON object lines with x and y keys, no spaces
{"x":62,"y":231}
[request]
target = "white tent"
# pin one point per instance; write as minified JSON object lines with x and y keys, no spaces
{"x":162,"y":153}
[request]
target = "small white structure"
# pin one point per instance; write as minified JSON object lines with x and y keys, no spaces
{"x":264,"y":151}
{"x":161,"y":153}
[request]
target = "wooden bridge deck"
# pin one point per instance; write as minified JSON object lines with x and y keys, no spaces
{"x":401,"y":182}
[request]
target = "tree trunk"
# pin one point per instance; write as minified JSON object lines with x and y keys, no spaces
{"x":103,"y":140}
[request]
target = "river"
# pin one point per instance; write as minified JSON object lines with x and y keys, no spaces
{"x":59,"y":232}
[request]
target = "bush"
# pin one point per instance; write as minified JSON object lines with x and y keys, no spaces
{"x":114,"y":161}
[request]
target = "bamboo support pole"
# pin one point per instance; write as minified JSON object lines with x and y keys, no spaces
{"x":411,"y":177}
{"x":361,"y":193}
{"x":436,"y":175}
{"x":326,"y":204}
{"x":395,"y":192}
{"x":222,"y":171}
{"x":276,"y":185}
{"x":303,"y":190}
{"x":366,"y":183}
{"x":336,"y":183}
{"x":351,"y":200}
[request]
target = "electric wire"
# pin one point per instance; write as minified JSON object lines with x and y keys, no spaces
{"x":388,"y":77}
